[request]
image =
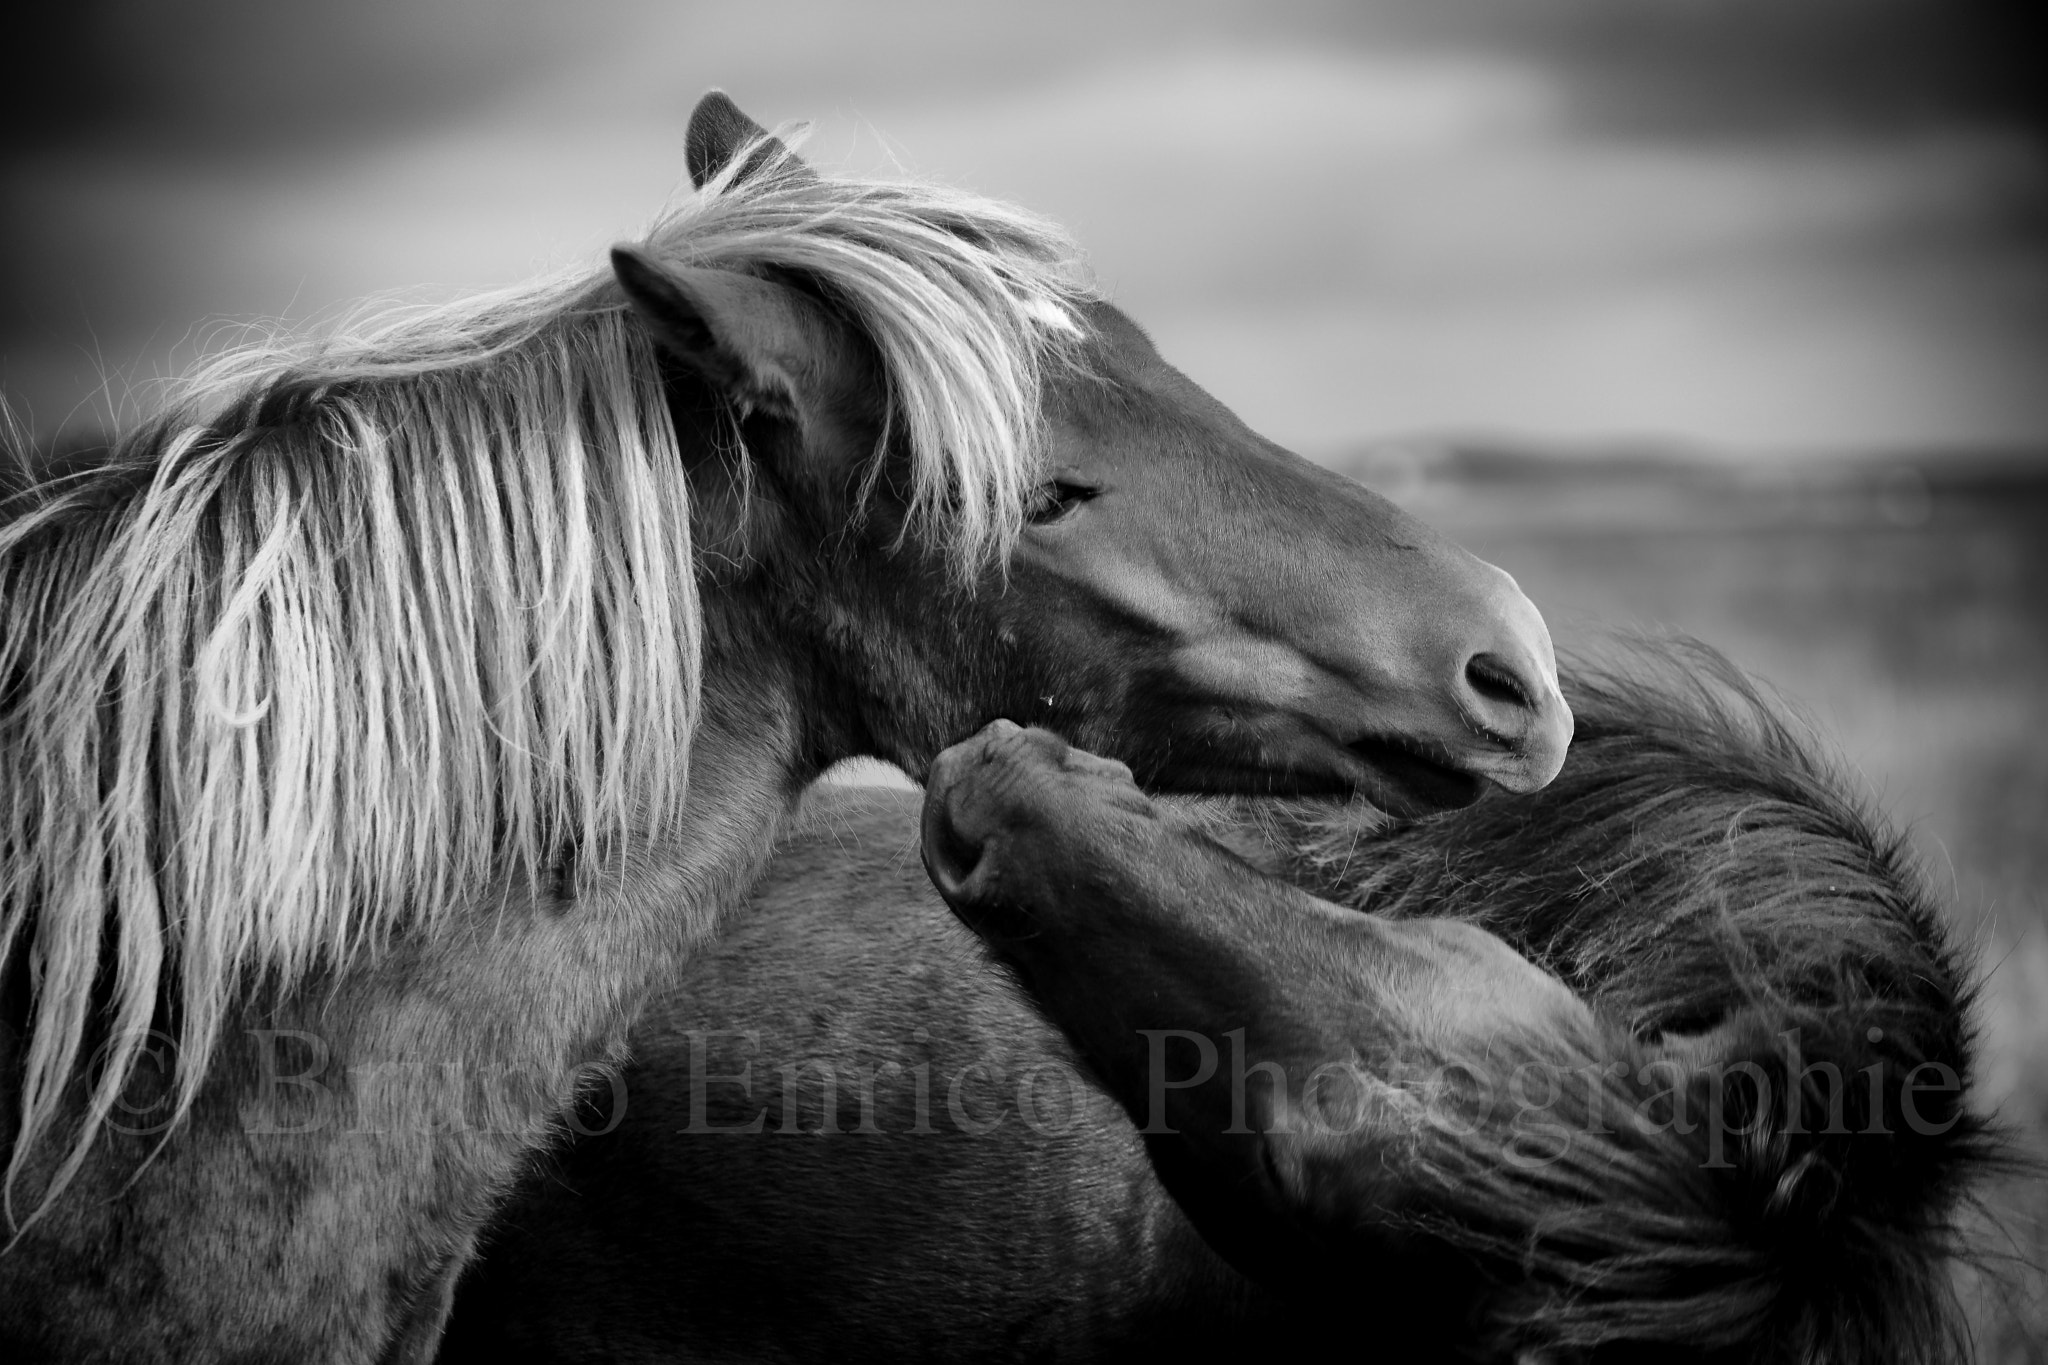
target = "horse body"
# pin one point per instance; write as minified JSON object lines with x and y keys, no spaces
{"x":819,"y":1154}
{"x":1693,"y":887}
{"x":377,"y":736}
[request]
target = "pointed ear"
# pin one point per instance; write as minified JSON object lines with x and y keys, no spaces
{"x":717,"y":132}
{"x":762,"y":344}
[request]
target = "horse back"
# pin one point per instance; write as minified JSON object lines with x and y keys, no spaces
{"x":843,"y":1135}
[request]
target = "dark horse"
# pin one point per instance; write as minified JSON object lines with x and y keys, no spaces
{"x":378,"y":726}
{"x":1663,"y":1062}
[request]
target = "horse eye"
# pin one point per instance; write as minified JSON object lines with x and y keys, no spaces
{"x":1055,"y":498}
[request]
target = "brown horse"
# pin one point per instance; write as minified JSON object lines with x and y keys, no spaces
{"x":383,"y":721}
{"x":1533,"y":1105}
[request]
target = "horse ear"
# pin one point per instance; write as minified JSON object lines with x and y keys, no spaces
{"x":762,"y":344}
{"x":717,"y":132}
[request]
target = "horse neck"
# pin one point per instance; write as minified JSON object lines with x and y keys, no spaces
{"x":805,"y":660}
{"x":405,"y":1093}
{"x":609,"y":925}
{"x":876,"y":656}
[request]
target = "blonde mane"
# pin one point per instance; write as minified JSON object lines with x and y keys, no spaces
{"x":364,"y":624}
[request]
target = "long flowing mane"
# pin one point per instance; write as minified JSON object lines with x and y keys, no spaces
{"x":362,"y":624}
{"x":1700,"y":871}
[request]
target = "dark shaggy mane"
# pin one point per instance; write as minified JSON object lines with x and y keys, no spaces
{"x":1765,"y":958}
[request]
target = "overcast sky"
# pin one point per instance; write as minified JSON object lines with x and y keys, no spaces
{"x":1747,"y":225}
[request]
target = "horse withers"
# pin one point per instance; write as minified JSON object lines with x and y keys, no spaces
{"x":380,"y":722}
{"x":1539,"y":1094}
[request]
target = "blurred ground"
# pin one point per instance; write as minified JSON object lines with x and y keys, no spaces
{"x":1903,"y":607}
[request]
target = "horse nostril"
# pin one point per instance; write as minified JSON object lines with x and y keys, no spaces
{"x":1505,"y":685}
{"x":1496,"y":682}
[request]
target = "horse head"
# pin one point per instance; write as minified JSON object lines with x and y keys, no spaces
{"x":1168,"y":587}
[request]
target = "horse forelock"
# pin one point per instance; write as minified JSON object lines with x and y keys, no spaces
{"x":970,"y":304}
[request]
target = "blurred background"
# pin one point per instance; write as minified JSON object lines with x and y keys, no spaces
{"x":1720,"y":316}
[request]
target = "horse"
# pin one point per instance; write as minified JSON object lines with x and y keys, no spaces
{"x":386,"y":717}
{"x":1665,"y":1061}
